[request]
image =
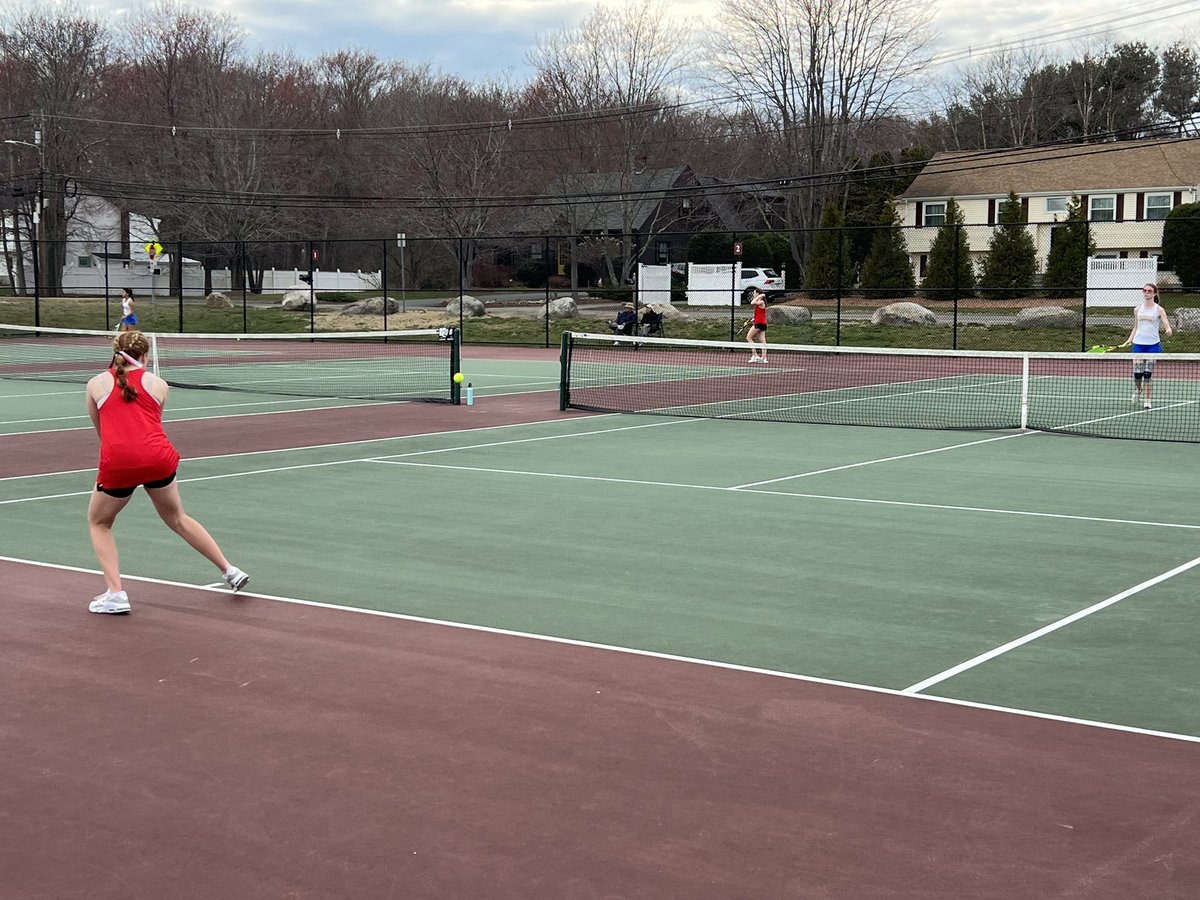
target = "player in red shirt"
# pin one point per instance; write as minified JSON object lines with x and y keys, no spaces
{"x":125,"y":404}
{"x":758,"y":326}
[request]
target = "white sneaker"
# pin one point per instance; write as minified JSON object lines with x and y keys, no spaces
{"x":236,"y":578}
{"x":1137,"y":398}
{"x":110,"y":602}
{"x":753,"y":359}
{"x":1146,"y":405}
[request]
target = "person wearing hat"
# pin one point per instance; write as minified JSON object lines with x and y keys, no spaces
{"x":626,"y":320}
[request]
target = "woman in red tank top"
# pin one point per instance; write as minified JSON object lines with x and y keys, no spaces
{"x":125,"y":404}
{"x":757,"y":335}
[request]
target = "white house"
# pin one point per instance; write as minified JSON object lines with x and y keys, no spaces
{"x":1127,"y":188}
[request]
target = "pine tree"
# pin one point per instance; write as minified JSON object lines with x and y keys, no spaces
{"x":1070,"y":246}
{"x":1011,"y":263}
{"x":824,"y":275}
{"x":886,"y":271}
{"x":950,"y":274}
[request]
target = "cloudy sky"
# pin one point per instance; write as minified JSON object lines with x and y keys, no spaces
{"x":477,"y":39}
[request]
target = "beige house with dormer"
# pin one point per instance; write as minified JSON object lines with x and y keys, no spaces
{"x":1127,"y":188}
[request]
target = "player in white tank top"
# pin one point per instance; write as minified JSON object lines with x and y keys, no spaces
{"x":1148,"y":321}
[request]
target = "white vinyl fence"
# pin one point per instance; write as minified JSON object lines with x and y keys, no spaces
{"x":713,"y":284}
{"x":654,"y":285}
{"x":1118,"y":282}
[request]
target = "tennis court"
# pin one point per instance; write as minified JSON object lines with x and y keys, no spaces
{"x":509,"y":650}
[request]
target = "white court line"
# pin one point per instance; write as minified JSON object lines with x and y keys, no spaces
{"x":330,"y":446}
{"x":346,"y":462}
{"x":396,"y":461}
{"x":1042,"y":632}
{"x":871,"y":462}
{"x":632,"y":651}
{"x":169,"y":419}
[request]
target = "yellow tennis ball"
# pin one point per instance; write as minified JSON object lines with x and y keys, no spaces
{"x":458,"y":377}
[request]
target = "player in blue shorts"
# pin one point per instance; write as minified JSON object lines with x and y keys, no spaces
{"x":128,"y":317}
{"x":1145,"y":337}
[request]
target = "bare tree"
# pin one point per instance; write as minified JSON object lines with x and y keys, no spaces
{"x":611,"y":82}
{"x":816,"y":75}
{"x":56,"y":63}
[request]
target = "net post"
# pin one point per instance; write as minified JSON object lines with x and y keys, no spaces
{"x":153,"y":353}
{"x":455,"y":365}
{"x":564,"y":372}
{"x":1024,"y":391}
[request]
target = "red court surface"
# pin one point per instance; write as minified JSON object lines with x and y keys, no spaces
{"x":56,"y":451}
{"x":207,"y":746}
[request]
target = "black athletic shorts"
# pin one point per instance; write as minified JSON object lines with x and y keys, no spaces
{"x":128,"y":492}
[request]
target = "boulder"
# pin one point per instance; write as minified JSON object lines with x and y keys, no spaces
{"x":671,"y":314}
{"x":563,"y":308}
{"x":903,"y":313}
{"x":1048,"y":317}
{"x":788,"y":315}
{"x":372,"y":306}
{"x":470,"y":306}
{"x":297,"y":300}
{"x":1187,"y":319}
{"x":217,"y":300}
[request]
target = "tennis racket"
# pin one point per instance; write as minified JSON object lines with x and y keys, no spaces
{"x":1102,"y":348}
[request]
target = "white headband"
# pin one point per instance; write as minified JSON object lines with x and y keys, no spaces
{"x":129,"y":359}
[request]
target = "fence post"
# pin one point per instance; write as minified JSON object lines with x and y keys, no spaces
{"x":838,"y":338}
{"x":107,"y":288}
{"x":546,"y":262}
{"x":312,"y":293}
{"x":383,"y":283}
{"x":1087,"y":243}
{"x":734,"y":299}
{"x":179,"y":266}
{"x":245,"y":282}
{"x":957,"y":286}
{"x":462,"y":288}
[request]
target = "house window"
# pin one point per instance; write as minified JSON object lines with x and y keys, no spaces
{"x":662,"y":252}
{"x":687,"y":203}
{"x":1158,"y":205}
{"x":1056,"y":204}
{"x":935,"y":214}
{"x":535,"y":252}
{"x":1102,"y":209}
{"x":84,"y":262}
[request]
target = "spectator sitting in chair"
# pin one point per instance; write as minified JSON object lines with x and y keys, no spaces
{"x":626,"y":320}
{"x":652,"y":322}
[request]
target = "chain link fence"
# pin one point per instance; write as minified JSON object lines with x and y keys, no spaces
{"x":1063,"y":286}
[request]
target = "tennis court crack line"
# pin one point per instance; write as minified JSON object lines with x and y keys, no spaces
{"x":1047,"y":629}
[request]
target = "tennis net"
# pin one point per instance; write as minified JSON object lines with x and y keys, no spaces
{"x":1077,"y":393}
{"x":375,"y":365}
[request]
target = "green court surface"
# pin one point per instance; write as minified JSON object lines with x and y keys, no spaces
{"x":877,"y":557}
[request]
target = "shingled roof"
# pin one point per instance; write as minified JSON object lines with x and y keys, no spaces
{"x":595,"y":198}
{"x":1074,"y":168}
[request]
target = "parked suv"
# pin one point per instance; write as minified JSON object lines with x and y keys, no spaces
{"x":766,"y":280}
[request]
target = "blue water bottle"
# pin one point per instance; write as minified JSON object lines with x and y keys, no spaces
{"x":470,"y":395}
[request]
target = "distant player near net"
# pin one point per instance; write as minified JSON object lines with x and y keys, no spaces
{"x":125,"y":404}
{"x":1148,"y":318}
{"x":128,"y":316}
{"x":757,"y":335}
